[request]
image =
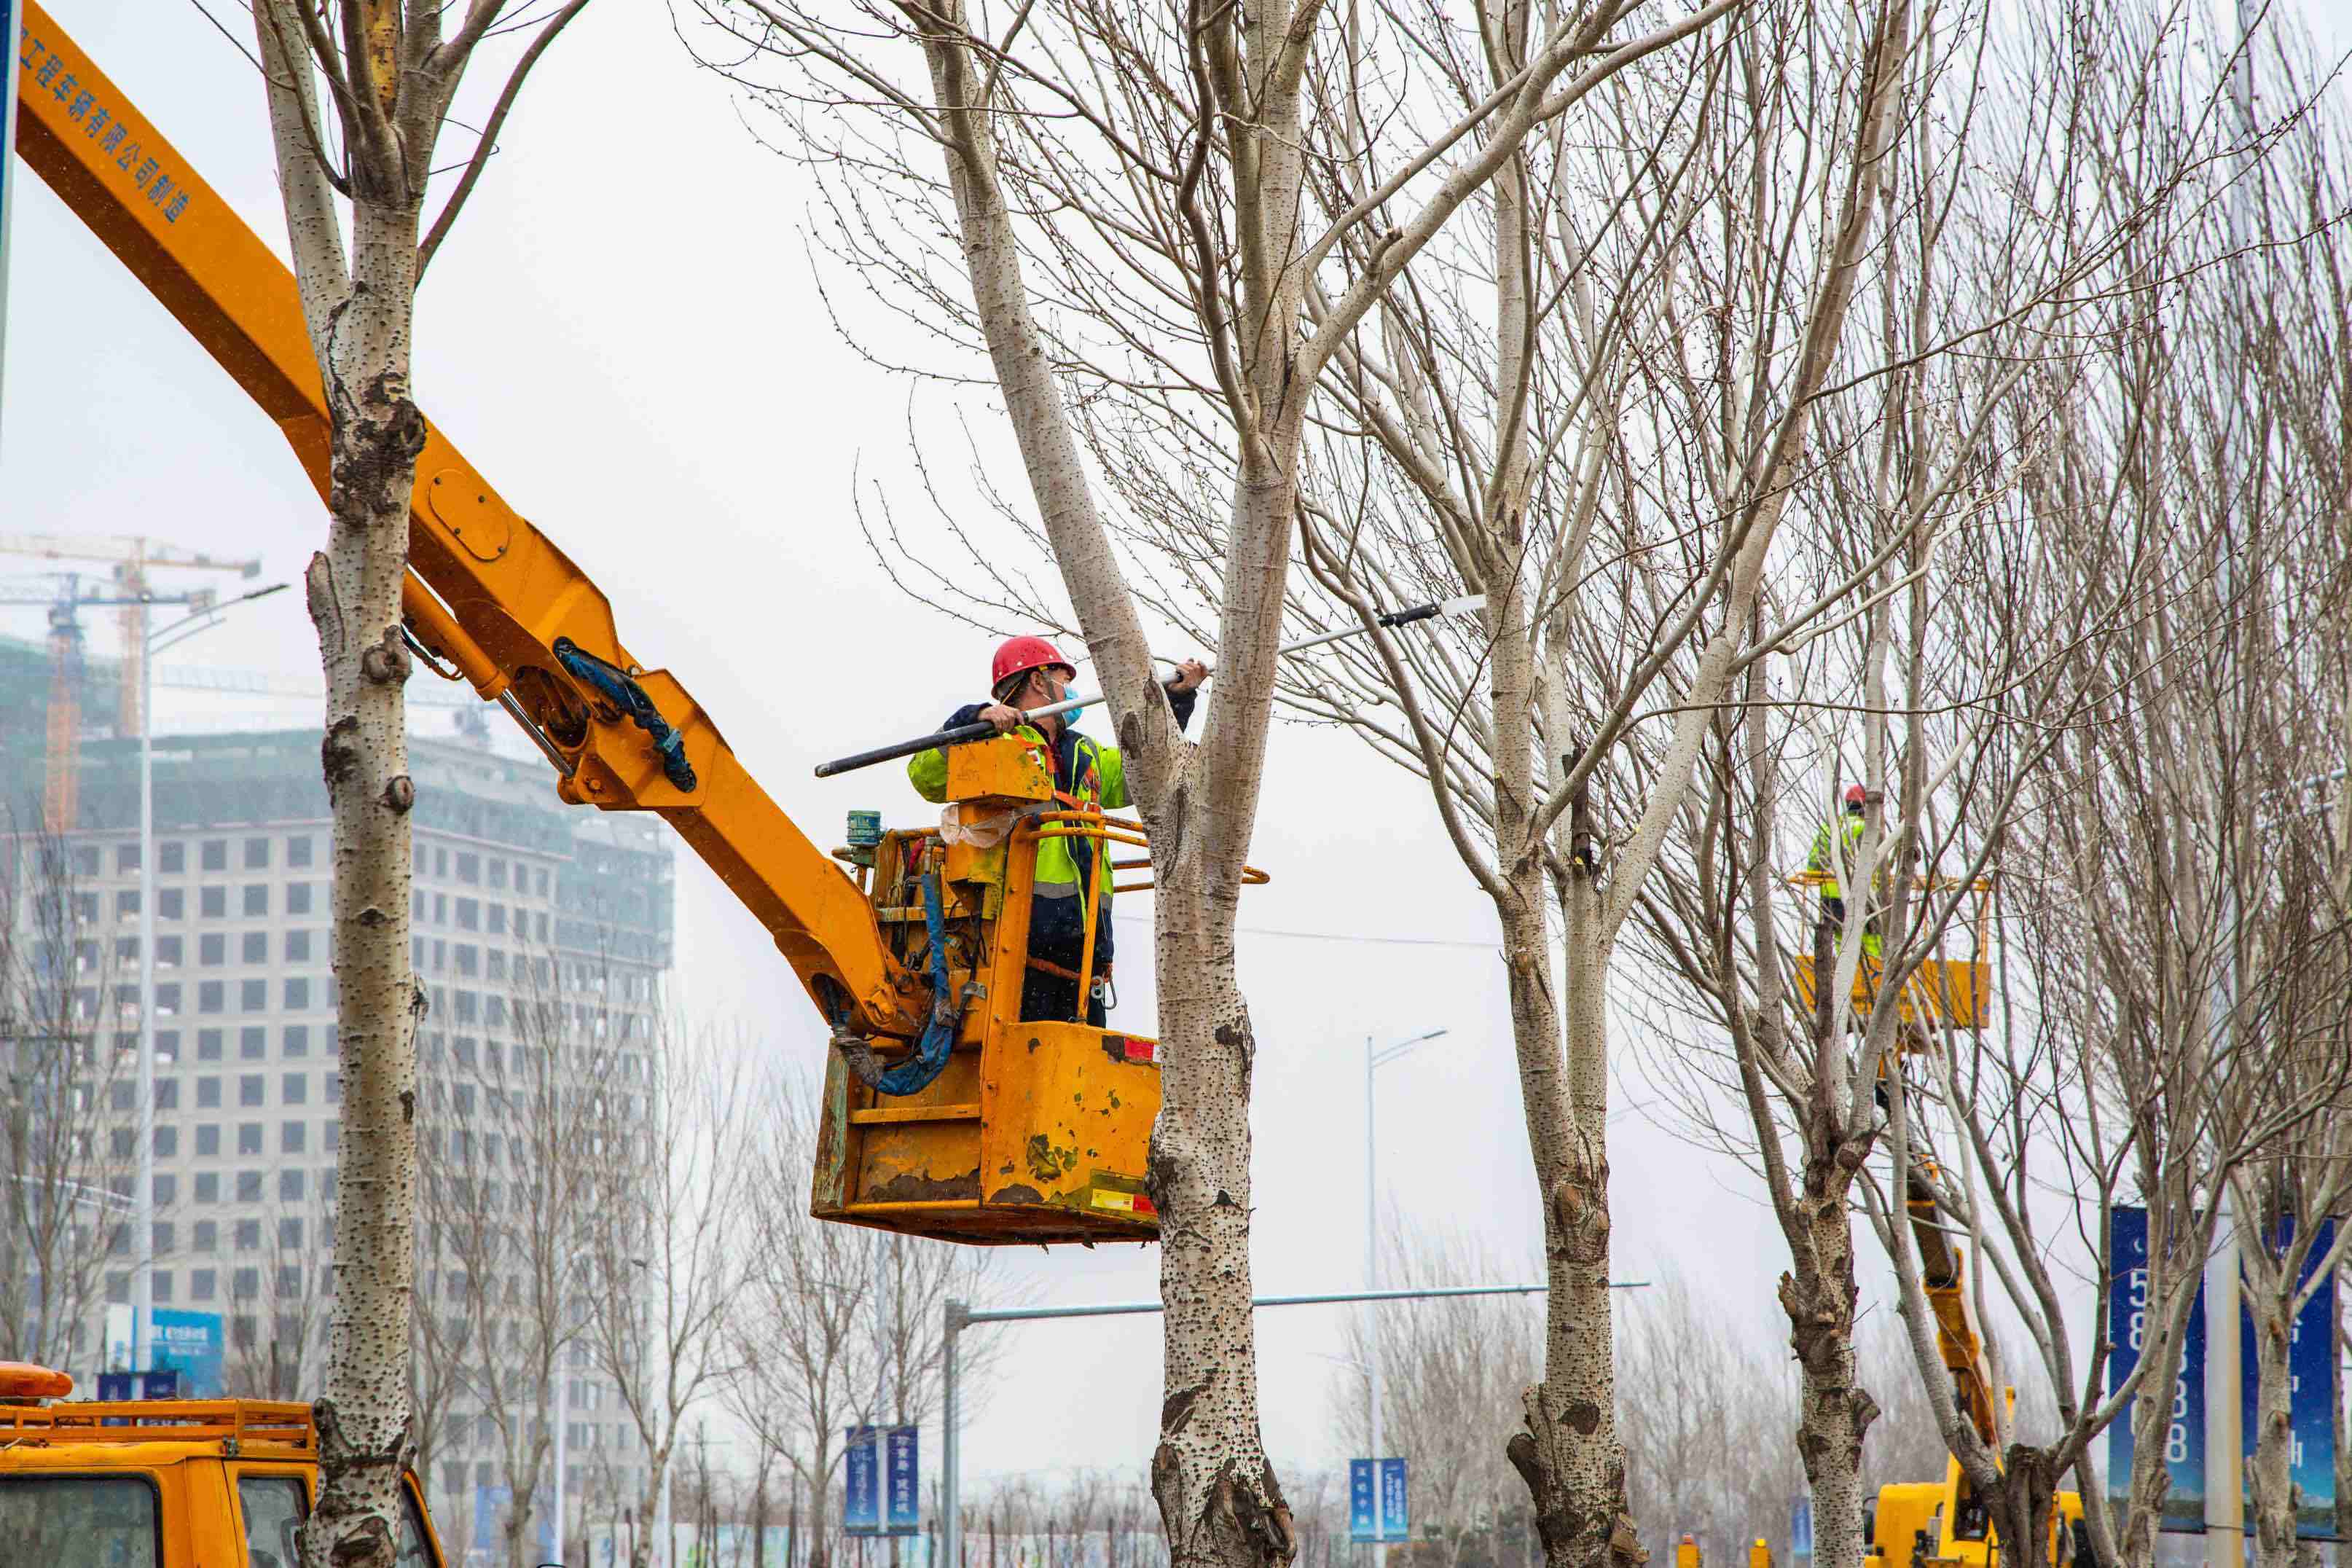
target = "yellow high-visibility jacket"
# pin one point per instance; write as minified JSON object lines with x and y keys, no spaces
{"x":1827,"y":855}
{"x":1089,"y":774}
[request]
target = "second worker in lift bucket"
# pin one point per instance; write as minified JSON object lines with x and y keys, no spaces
{"x":1029,"y":673}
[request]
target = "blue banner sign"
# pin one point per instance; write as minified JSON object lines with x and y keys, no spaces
{"x":2128,"y":1309}
{"x":2313,"y":1388}
{"x":1392,"y":1521}
{"x":902,"y":1476}
{"x":2312,"y":1392}
{"x":861,"y":1477}
{"x":1800,"y":1527}
{"x":1396,"y":1519}
{"x":192,"y":1344}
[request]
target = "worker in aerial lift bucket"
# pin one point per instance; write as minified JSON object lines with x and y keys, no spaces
{"x":1029,"y":672}
{"x":1835,"y":846}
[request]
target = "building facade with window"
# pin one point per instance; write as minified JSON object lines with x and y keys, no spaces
{"x":514,"y":892}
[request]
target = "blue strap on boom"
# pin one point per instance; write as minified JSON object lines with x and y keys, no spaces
{"x":617,"y":687}
{"x":931,"y":1057}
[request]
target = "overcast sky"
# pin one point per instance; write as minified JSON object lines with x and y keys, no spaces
{"x":623,"y":332}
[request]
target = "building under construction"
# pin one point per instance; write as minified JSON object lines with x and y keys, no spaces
{"x":248,"y":1094}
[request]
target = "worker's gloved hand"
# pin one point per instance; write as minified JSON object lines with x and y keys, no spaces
{"x":1189,"y":674}
{"x":1003,"y":717}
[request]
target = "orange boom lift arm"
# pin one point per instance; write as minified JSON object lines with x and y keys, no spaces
{"x":946,"y":1111}
{"x":486,"y":592}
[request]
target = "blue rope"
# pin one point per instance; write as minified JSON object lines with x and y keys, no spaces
{"x":931,"y":1057}
{"x":617,"y":688}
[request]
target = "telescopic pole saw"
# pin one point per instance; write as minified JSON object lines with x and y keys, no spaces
{"x":981,"y":730}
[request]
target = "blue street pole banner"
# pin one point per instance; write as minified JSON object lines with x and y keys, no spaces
{"x":2184,"y":1440}
{"x":1360,"y":1500}
{"x":1393,"y":1521}
{"x":1800,"y":1527}
{"x":903,"y":1478}
{"x":192,"y":1344}
{"x":2312,"y":1391}
{"x":861,"y":1501}
{"x":1396,"y":1519}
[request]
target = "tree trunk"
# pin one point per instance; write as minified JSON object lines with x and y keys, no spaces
{"x":2022,"y":1508}
{"x":1217,"y":1493}
{"x":365,"y":1432}
{"x":820,"y":1554}
{"x":2271,"y":1471}
{"x":1568,"y":1451}
{"x":641,"y":1545}
{"x":523,"y":1494}
{"x":2151,"y":1478}
{"x":1834,"y":1410}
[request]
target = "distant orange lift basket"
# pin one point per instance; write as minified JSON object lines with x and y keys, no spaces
{"x":1954,"y":994}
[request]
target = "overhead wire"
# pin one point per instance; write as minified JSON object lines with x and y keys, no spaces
{"x":1341,"y":936}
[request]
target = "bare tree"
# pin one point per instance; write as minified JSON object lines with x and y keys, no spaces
{"x":2289,"y":642}
{"x":799,"y":1326}
{"x":65,"y":1145}
{"x":913,"y":1281}
{"x":1184,"y":223}
{"x":1452,"y":1372}
{"x":1705,"y":1449}
{"x":510,"y":1195}
{"x":391,"y":74}
{"x":1933,"y":481}
{"x":672,"y":1155}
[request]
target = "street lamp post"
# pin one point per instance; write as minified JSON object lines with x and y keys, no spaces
{"x":205,"y":614}
{"x":1375,"y":1057}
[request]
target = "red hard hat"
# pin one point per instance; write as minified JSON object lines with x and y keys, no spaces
{"x":1020,"y":655}
{"x":1855,"y":795}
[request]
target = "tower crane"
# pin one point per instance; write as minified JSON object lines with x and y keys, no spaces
{"x":61,"y":775}
{"x":131,"y":558}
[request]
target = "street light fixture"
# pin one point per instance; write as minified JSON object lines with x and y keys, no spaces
{"x":1375,"y":1057}
{"x":206,"y":615}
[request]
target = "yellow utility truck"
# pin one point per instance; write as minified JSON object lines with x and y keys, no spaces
{"x":164,"y":1483}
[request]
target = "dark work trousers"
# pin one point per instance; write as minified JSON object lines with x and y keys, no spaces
{"x":1057,"y":934}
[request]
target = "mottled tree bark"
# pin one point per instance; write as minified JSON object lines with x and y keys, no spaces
{"x":391,"y":76}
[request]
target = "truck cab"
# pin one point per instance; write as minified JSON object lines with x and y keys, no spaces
{"x":164,"y":1483}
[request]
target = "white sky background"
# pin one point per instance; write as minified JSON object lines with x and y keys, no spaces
{"x":624,"y":334}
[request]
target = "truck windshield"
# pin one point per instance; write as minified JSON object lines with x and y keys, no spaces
{"x":79,"y":1522}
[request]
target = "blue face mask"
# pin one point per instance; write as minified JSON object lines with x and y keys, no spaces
{"x":1070,"y":719}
